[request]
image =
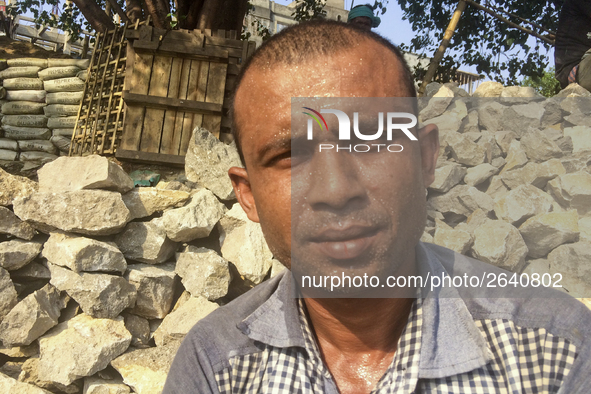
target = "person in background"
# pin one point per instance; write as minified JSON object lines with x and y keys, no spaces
{"x":362,"y":16}
{"x":572,"y":53}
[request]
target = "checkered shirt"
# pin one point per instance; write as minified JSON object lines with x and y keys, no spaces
{"x":524,"y":360}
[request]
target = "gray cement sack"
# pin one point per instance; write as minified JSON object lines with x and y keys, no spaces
{"x":54,"y":110}
{"x":58,"y":72}
{"x":23,"y":84}
{"x":22,"y":108}
{"x":37,"y":96}
{"x":73,"y":84}
{"x":63,"y":133}
{"x":27,"y":62}
{"x":64,"y":98}
{"x":67,"y":122}
{"x":37,"y":145}
{"x":80,"y":63}
{"x":16,"y":72}
{"x":24,"y":121}
{"x":8,"y":155}
{"x":37,"y":156}
{"x":61,"y":142}
{"x":9,"y":144}
{"x":26,"y":133}
{"x":82,"y":75}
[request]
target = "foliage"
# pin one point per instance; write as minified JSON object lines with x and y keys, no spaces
{"x":309,"y":9}
{"x":547,"y":85}
{"x":501,"y":52}
{"x":69,"y":19}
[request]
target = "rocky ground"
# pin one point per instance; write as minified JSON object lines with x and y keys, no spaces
{"x":100,"y":280}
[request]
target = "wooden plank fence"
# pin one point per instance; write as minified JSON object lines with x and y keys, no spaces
{"x":148,"y":88}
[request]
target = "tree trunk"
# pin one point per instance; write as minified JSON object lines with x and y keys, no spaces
{"x":218,"y":14}
{"x":188,"y":13}
{"x":96,"y":16}
{"x":134,"y":10}
{"x":158,"y":10}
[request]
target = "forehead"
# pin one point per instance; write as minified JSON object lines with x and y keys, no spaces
{"x":263,"y":100}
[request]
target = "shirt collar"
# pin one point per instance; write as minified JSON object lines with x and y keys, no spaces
{"x":451,"y":342}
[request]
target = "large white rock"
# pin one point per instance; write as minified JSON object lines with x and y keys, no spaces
{"x":7,"y":293}
{"x":520,"y":118}
{"x":12,"y":225}
{"x":207,"y":163}
{"x":464,"y":150}
{"x":12,"y":187}
{"x":490,"y":115}
{"x":581,"y":137}
{"x":489,"y":89}
{"x":572,"y":191}
{"x":155,"y":286}
{"x":242,"y":243}
{"x":90,"y":212}
{"x":438,"y":104}
{"x":473,"y":199}
{"x":539,"y":147}
{"x":99,"y":295}
{"x":83,"y":254}
{"x":522,"y":203}
{"x":196,"y":219}
{"x":454,"y":239}
{"x":144,"y":201}
{"x":177,"y":324}
{"x":32,"y":317}
{"x":145,"y":370}
{"x":17,"y":253}
{"x":11,"y":385}
{"x":499,"y":243}
{"x":516,"y":157}
{"x":93,"y":385}
{"x":546,"y":231}
{"x":447,"y":177}
{"x":77,"y":173}
{"x":204,"y":273}
{"x":30,"y":374}
{"x":476,"y":175}
{"x":80,"y":347}
{"x":146,"y":242}
{"x":571,"y":263}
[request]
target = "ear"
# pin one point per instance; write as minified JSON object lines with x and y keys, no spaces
{"x":243,"y":191}
{"x":429,"y":143}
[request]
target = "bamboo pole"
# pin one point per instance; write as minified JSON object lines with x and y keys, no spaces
{"x":453,"y":23}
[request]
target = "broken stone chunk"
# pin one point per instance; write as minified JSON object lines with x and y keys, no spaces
{"x":17,"y":253}
{"x":90,"y":212}
{"x":498,"y":243}
{"x":204,"y":273}
{"x":99,"y":295}
{"x":32,"y":317}
{"x":77,"y":173}
{"x":12,"y":225}
{"x":145,"y":201}
{"x":155,"y":286}
{"x":81,"y":347}
{"x":546,"y":231}
{"x":13,"y":187}
{"x":146,"y":242}
{"x":83,"y":254}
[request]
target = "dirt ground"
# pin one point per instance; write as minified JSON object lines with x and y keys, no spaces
{"x":11,"y":49}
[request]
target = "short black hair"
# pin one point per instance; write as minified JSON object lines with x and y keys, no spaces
{"x":308,"y":40}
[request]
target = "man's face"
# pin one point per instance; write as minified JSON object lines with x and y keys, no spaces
{"x":332,"y":210}
{"x":362,"y":21}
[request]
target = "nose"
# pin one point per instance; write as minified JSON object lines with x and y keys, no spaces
{"x":335,"y":182}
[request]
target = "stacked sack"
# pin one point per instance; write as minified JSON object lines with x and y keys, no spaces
{"x":39,"y":110}
{"x":99,"y":281}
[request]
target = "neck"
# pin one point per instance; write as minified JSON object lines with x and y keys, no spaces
{"x":359,"y":325}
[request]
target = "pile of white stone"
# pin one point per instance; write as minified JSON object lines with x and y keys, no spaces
{"x":40,"y":102}
{"x":99,"y":281}
{"x":513,"y":181}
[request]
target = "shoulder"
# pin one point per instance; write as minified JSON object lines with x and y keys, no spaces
{"x":535,"y":307}
{"x":207,"y":348}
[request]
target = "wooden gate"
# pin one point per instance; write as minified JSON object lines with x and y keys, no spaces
{"x":176,"y":80}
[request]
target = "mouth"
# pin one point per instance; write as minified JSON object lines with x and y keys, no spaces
{"x":346,"y":242}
